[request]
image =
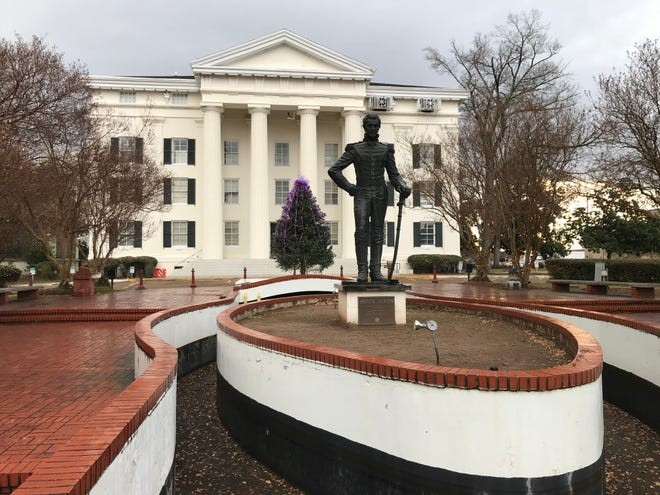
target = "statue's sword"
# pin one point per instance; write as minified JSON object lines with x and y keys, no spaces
{"x":400,"y":204}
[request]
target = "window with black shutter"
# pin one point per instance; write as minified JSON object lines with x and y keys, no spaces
{"x":167,"y":234}
{"x":139,"y":150}
{"x":417,"y":234}
{"x":191,"y":234}
{"x":137,"y":236}
{"x":167,"y":151}
{"x":191,"y":191}
{"x":167,"y":191}
{"x":438,"y":234}
{"x":416,"y":194}
{"x":437,"y":156}
{"x":390,"y":233}
{"x":437,"y":195}
{"x":191,"y":151}
{"x":416,"y":156}
{"x":114,"y":148}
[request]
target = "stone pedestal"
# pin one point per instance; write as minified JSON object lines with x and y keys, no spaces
{"x":83,"y":284}
{"x":372,"y":304}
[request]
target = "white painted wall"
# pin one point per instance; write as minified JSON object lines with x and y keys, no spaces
{"x":145,"y":460}
{"x":503,"y":434}
{"x":185,"y":328}
{"x":626,"y":348}
{"x":287,"y":287}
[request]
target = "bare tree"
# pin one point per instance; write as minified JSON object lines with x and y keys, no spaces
{"x":535,"y":181}
{"x":502,"y":72}
{"x":56,"y":164}
{"x":628,"y":111}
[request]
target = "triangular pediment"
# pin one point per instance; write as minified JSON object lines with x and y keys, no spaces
{"x":283,"y":54}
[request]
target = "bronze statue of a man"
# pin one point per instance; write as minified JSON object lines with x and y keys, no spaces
{"x":371,"y":159}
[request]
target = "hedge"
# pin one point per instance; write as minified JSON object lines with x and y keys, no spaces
{"x":139,"y":262}
{"x":444,"y":263}
{"x":619,"y":270}
{"x":8,"y":273}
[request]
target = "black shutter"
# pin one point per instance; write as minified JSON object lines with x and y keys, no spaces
{"x":390,"y":233}
{"x":139,"y":150}
{"x":167,"y":191}
{"x":438,"y":234}
{"x":417,"y":234}
{"x":437,"y":156}
{"x":113,"y":235}
{"x":167,"y":234}
{"x":191,"y":234}
{"x":114,"y":148}
{"x":390,"y":194}
{"x":191,"y":151}
{"x":137,"y":234}
{"x":191,"y":191}
{"x":437,"y":195}
{"x":167,"y":151}
{"x":415,"y":155}
{"x":416,"y":195}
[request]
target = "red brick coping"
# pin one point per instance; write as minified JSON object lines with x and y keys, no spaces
{"x":284,"y":278}
{"x":593,"y":309}
{"x":76,"y":467}
{"x":585,"y":367}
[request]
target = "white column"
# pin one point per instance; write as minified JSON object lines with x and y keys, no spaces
{"x":308,"y":149}
{"x":352,"y":134}
{"x":259,"y":228}
{"x":211,"y":224}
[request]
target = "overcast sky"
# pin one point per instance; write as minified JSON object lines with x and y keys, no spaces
{"x":145,"y":37}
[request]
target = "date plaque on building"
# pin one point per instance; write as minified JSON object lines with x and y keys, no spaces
{"x":376,"y":310}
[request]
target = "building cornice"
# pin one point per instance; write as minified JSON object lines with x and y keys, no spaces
{"x":139,"y":83}
{"x":414,"y":92}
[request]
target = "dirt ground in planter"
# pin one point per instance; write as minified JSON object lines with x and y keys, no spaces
{"x":465,"y":339}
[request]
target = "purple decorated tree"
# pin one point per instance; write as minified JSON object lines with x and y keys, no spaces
{"x":302,"y":236}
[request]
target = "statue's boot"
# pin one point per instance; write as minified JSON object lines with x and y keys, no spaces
{"x":374,"y":267}
{"x":361,"y":254}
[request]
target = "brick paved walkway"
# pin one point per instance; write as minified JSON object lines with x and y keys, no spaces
{"x":53,"y":377}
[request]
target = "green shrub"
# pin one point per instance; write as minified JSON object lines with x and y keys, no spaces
{"x":46,"y":270}
{"x":8,"y":273}
{"x":146,"y":263}
{"x":625,"y":270}
{"x":35,"y":255}
{"x":620,"y":270}
{"x":102,"y":281}
{"x":444,"y":263}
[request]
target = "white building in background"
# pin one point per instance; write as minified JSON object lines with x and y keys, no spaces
{"x":236,"y":134}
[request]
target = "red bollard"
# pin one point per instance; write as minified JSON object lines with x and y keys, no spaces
{"x":192,"y":282}
{"x":435,"y":276}
{"x":341,"y":271}
{"x":244,"y":272}
{"x":141,"y":286}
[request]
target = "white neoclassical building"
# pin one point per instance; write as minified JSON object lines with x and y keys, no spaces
{"x":252,"y":118}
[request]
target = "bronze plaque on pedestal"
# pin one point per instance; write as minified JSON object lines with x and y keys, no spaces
{"x":376,"y":311}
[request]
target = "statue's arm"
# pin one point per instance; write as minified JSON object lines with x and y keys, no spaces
{"x":393,"y":173}
{"x":335,"y":172}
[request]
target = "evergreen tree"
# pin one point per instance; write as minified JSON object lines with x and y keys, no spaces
{"x":302,"y":235}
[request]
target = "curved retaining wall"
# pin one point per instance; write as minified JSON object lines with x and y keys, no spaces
{"x":631,"y":376}
{"x":288,"y":284}
{"x":340,"y":422}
